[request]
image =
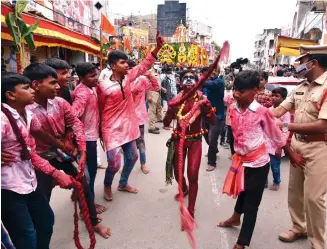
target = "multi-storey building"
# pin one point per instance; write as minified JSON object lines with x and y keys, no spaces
{"x":264,"y":48}
{"x":169,"y":16}
{"x":309,"y":20}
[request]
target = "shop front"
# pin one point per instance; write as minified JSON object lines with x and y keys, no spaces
{"x":51,"y":39}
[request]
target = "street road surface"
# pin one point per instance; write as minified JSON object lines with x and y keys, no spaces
{"x":150,"y":219}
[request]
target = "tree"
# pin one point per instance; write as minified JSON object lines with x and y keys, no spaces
{"x":216,"y":46}
{"x":20,"y":32}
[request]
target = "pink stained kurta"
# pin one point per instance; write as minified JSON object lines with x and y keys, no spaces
{"x":85,"y":107}
{"x":55,"y":119}
{"x":119,"y":123}
{"x":252,"y":128}
{"x":271,"y":147}
{"x":20,"y":176}
{"x":228,"y":100}
{"x":144,"y":83}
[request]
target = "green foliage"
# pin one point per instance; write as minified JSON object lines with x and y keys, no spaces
{"x":18,"y":29}
{"x":106,"y":46}
{"x":13,"y":29}
{"x":20,"y":6}
{"x":216,"y":46}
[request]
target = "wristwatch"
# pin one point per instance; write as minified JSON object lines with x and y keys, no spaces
{"x":285,"y":127}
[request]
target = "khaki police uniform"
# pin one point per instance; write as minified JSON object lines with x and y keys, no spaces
{"x":307,"y":188}
{"x":155,"y":107}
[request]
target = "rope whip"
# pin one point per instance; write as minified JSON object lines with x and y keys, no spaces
{"x":78,"y":187}
{"x":187,"y":221}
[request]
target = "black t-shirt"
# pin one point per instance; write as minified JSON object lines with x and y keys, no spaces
{"x":65,"y":94}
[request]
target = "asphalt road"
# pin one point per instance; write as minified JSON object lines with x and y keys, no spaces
{"x":150,"y":219}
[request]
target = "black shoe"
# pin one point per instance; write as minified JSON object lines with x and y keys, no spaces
{"x":154,"y":131}
{"x":157,"y":129}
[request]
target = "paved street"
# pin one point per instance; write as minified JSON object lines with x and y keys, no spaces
{"x":150,"y":219}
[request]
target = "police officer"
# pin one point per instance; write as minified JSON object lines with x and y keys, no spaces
{"x":308,"y":152}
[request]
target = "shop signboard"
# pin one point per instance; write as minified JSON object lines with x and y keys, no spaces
{"x":138,"y":37}
{"x":75,"y":15}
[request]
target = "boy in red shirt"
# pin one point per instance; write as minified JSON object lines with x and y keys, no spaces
{"x":85,"y":107}
{"x":25,"y":212}
{"x":251,"y":124}
{"x":119,"y":123}
{"x":56,"y":117}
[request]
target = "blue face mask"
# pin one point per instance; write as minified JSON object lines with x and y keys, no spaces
{"x":303,"y":69}
{"x":236,"y":71}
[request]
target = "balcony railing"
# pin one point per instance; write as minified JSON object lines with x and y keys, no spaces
{"x":312,"y":20}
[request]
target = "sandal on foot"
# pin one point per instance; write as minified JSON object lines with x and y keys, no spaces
{"x":185,"y":193}
{"x":210,"y":168}
{"x":128,"y":189}
{"x":274,"y":187}
{"x":291,"y":236}
{"x":228,"y":223}
{"x":145,"y":170}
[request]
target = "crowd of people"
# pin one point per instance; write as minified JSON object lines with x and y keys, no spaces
{"x":52,"y":124}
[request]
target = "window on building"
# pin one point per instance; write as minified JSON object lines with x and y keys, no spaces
{"x":271,"y":43}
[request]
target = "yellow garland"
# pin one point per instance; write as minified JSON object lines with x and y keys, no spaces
{"x":179,"y":113}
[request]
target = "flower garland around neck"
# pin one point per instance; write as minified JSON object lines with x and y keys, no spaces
{"x":180,"y":116}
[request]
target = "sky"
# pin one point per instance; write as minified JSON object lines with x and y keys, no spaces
{"x":238,"y":21}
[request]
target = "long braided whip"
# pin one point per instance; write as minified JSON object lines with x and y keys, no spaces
{"x":78,"y":187}
{"x":187,"y":221}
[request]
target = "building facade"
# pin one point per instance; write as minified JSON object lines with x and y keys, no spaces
{"x":264,"y":49}
{"x":199,"y":32}
{"x":141,"y":22}
{"x":309,"y":20}
{"x":169,"y":16}
{"x":65,"y":30}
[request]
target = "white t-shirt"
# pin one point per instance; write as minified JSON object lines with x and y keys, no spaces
{"x":12,"y":63}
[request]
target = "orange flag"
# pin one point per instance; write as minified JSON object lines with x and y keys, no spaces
{"x":105,"y":40}
{"x":127,"y":45}
{"x":118,"y":44}
{"x":106,"y":26}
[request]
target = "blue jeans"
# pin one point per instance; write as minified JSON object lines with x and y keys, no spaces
{"x":91,"y":162}
{"x":275,"y":163}
{"x":140,"y":142}
{"x":213,"y":136}
{"x":5,"y":239}
{"x":114,"y":163}
{"x":28,"y":219}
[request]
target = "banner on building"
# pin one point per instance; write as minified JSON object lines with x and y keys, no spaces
{"x":182,"y":53}
{"x":137,"y":37}
{"x":42,"y":6}
{"x":290,"y":46}
{"x":75,"y":15}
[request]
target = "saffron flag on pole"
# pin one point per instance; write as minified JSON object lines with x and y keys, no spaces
{"x":127,"y":45}
{"x":106,"y":26}
{"x":105,"y":40}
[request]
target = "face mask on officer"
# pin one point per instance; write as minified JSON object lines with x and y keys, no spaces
{"x":303,"y":68}
{"x":236,"y":71}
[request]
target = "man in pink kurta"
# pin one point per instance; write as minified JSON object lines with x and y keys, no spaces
{"x":144,"y":83}
{"x":119,"y":123}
